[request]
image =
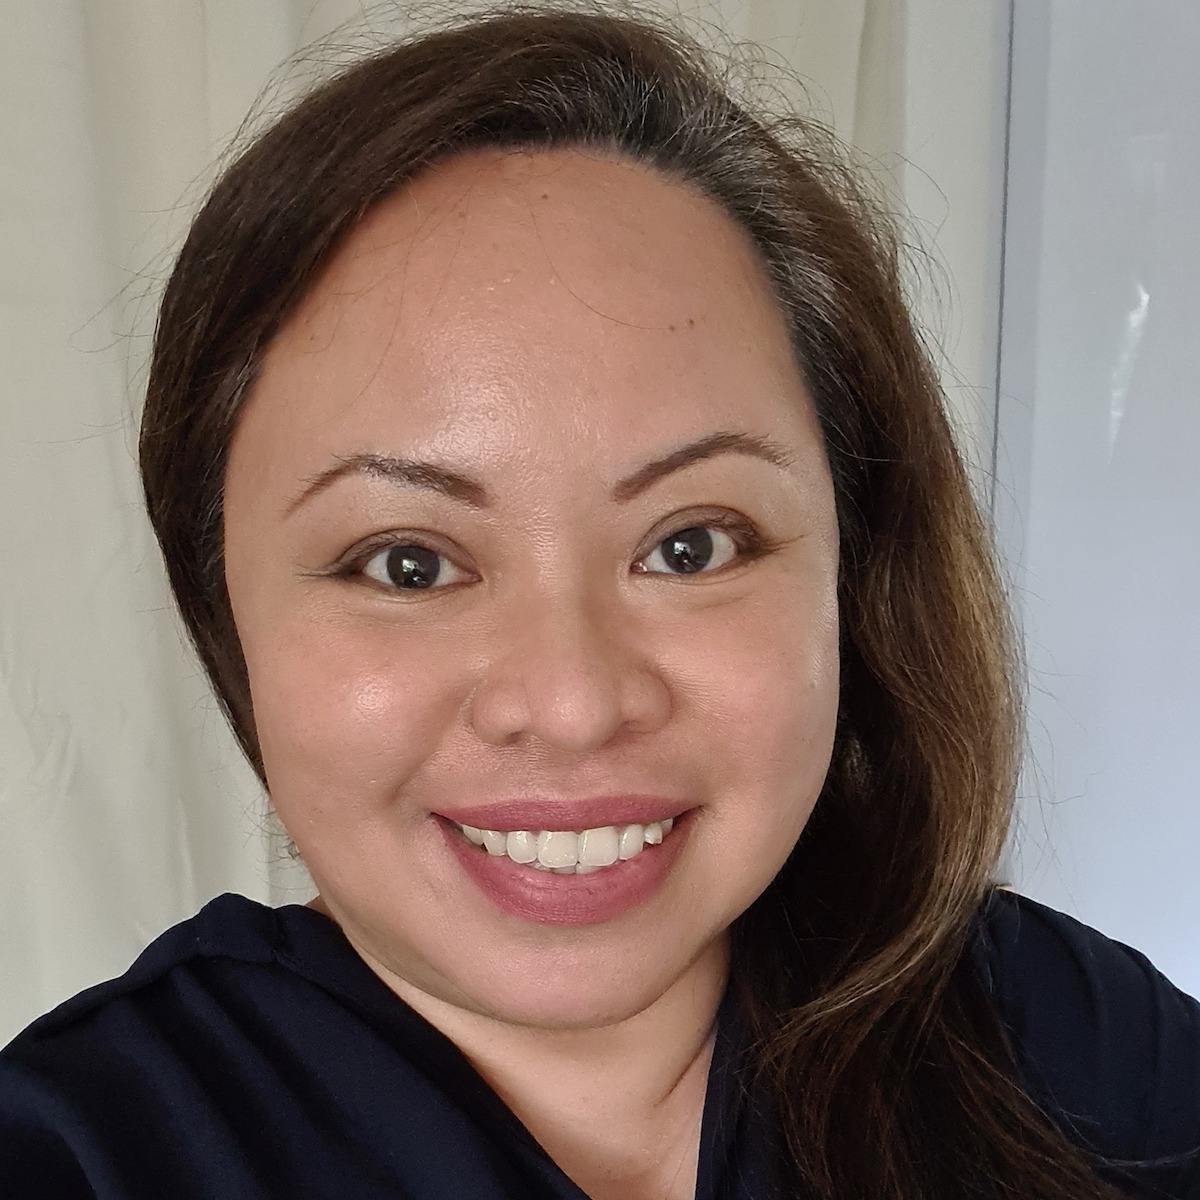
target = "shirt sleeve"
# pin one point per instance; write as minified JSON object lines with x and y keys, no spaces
{"x":36,"y":1160}
{"x":1109,"y":1048}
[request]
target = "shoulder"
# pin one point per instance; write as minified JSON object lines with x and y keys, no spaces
{"x":249,"y":1052}
{"x":230,"y":928}
{"x":75,"y":1082}
{"x":1109,"y":1048}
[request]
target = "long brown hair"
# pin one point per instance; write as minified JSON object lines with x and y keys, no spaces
{"x":885,"y":1068}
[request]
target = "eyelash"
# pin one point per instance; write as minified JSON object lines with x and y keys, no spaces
{"x":750,"y":541}
{"x":751,"y":545}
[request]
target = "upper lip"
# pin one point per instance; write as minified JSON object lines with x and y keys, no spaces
{"x":592,"y":812}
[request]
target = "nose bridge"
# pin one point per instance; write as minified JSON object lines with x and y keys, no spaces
{"x":565,"y":669}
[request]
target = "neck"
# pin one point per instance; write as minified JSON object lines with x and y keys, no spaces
{"x":617,"y":1107}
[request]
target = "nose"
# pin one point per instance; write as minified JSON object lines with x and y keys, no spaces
{"x":568,"y":674}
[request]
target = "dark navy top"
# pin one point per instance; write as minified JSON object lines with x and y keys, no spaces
{"x":250,"y":1053}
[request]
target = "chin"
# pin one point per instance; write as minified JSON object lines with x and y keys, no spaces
{"x":588,"y":986}
{"x":590,"y":1000}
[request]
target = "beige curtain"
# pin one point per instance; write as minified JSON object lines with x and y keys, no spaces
{"x":123,"y":803}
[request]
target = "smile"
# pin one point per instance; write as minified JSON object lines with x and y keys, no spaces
{"x":569,"y":876}
{"x":569,"y":852}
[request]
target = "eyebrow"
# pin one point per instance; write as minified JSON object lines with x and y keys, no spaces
{"x":433,"y":477}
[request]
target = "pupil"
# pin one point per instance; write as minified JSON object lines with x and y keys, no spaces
{"x":689,"y":550}
{"x":412,"y":566}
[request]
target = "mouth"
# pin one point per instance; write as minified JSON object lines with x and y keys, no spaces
{"x":569,"y":877}
{"x":568,"y":851}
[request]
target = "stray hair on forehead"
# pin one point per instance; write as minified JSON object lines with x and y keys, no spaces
{"x":886,"y":1069}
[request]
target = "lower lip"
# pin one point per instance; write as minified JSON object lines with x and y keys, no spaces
{"x":548,"y":898}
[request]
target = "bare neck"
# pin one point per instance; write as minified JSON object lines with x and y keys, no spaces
{"x":619,"y":1107}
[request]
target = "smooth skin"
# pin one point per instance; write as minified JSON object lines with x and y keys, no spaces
{"x":542,"y":325}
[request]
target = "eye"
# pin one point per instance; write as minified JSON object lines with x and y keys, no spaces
{"x":410,"y":567}
{"x":699,"y":548}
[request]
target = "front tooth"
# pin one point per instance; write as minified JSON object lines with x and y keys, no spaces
{"x":632,"y":840}
{"x":558,"y":848}
{"x":473,"y":835}
{"x":521,"y":846}
{"x":668,"y":825}
{"x":599,"y":847}
{"x":496,"y":843}
{"x":654,"y":833}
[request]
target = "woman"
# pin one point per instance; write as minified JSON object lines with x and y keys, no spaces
{"x":562,"y":505}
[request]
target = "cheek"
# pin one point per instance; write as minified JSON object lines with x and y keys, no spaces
{"x":346,"y":713}
{"x":766,"y":705}
{"x":772,"y":672}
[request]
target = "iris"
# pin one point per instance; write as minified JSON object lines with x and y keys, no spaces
{"x":413,"y":566}
{"x":689,"y":550}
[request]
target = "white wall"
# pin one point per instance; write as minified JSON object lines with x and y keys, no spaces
{"x":919,"y":88}
{"x":951,"y":183}
{"x":1099,"y":463}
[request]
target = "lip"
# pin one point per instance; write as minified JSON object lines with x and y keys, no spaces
{"x":593,"y":812}
{"x":547,"y":898}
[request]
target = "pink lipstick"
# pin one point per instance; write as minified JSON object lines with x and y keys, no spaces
{"x":549,"y":898}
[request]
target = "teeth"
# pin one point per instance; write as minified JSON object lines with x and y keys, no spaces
{"x":633,"y":838}
{"x":496,"y":843}
{"x":557,"y":849}
{"x":566,"y":852}
{"x":599,"y":847}
{"x":521,"y":846}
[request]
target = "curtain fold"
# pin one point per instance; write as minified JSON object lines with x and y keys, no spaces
{"x":124,"y":805}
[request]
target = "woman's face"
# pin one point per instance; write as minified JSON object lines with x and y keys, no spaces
{"x":529,"y":529}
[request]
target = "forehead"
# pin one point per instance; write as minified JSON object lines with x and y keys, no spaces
{"x":563,"y":296}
